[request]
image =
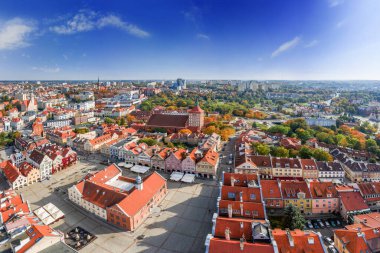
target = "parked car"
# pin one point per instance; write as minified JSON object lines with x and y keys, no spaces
{"x":332,"y":249}
{"x":315,"y":225}
{"x":320,"y":223}
{"x":230,"y":162}
{"x":327,"y":224}
{"x":333,"y":224}
{"x":309,"y":225}
{"x":328,"y":240}
{"x":338,"y":223}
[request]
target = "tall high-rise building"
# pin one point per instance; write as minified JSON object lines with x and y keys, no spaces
{"x":181,"y":83}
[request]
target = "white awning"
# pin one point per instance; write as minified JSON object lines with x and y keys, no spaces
{"x":48,"y":220}
{"x":140,"y":169}
{"x":176,"y":176}
{"x":128,"y":165}
{"x":188,"y":178}
{"x":121,"y":164}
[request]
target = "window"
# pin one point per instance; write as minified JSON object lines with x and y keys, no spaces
{"x":231,"y":195}
{"x":253,"y":196}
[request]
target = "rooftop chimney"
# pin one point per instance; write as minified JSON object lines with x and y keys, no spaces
{"x":227,"y":233}
{"x":229,"y":210}
{"x":139,"y":183}
{"x":290,"y":238}
{"x":242,"y":243}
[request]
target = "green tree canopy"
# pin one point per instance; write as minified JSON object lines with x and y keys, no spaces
{"x":148,"y":141}
{"x":293,"y":219}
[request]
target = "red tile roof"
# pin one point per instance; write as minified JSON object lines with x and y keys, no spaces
{"x":250,"y":207}
{"x":7,"y":214}
{"x":355,"y":241}
{"x":25,"y":168}
{"x":168,"y":120}
{"x":246,"y":193}
{"x":95,"y":190}
{"x":100,"y":139}
{"x":234,"y":225}
{"x":10,"y":171}
{"x":139,"y":198}
{"x":304,"y":241}
{"x":211,"y":157}
{"x":35,"y":233}
{"x":290,"y":189}
{"x":270,"y":189}
{"x":308,"y":164}
{"x":223,"y":246}
{"x":322,"y":189}
{"x":353,"y":201}
{"x":101,"y":195}
{"x":239,"y":179}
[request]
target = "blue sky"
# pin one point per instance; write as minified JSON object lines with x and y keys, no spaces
{"x":166,"y":39}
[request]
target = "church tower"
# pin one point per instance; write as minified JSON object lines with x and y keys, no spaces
{"x":196,"y":116}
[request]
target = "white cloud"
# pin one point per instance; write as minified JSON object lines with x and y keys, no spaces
{"x":286,"y":46}
{"x":25,"y":55}
{"x":47,"y":69}
{"x":14,"y":33}
{"x":340,"y":24}
{"x":89,"y":20}
{"x":193,"y":14}
{"x":112,"y":20}
{"x":203,"y":36}
{"x":334,"y":3}
{"x":312,"y":43}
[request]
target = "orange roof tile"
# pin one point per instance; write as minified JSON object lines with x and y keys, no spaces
{"x":139,"y":198}
{"x":304,"y":241}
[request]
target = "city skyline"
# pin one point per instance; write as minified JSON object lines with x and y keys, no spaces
{"x":222,"y":40}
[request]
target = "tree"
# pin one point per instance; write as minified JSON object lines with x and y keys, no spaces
{"x":279,"y":152}
{"x":148,"y":141}
{"x":279,"y":129}
{"x":305,"y":152}
{"x":321,"y":155}
{"x":226,"y":132}
{"x":262,"y":149}
{"x":185,"y":131}
{"x":108,"y":120}
{"x":209,"y":130}
{"x":371,"y":146}
{"x":130,"y":119}
{"x":293,"y":218}
{"x":170,"y":145}
{"x":294,"y":124}
{"x":160,"y":130}
{"x":81,"y":130}
{"x":122,"y":121}
{"x":303,"y":134}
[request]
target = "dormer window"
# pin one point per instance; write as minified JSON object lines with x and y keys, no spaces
{"x":231,"y":195}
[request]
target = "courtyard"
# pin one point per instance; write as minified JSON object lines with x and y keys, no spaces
{"x":180,"y":223}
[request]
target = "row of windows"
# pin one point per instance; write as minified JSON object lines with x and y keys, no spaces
{"x":232,"y":195}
